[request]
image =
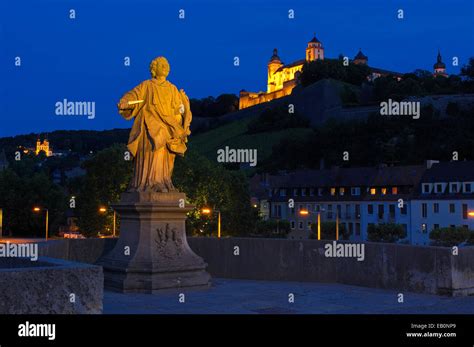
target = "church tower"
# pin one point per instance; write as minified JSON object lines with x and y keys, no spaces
{"x":439,"y":67}
{"x":315,"y":50}
{"x":273,"y":65}
{"x":360,"y":58}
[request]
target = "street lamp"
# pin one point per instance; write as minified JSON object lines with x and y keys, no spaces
{"x":305,"y":213}
{"x":208,"y":211}
{"x":39,"y":209}
{"x":103,"y":209}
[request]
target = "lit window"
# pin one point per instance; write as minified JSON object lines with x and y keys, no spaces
{"x":373,"y":191}
{"x":341,"y":191}
{"x":394,"y":190}
{"x":333,"y":191}
{"x":384,"y":191}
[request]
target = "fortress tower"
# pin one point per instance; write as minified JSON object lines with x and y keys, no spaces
{"x":314,"y":50}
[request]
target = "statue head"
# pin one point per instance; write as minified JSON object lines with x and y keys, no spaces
{"x":159,"y":67}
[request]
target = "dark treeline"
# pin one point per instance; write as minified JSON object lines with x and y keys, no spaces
{"x":397,"y":140}
{"x":417,"y":83}
{"x":214,"y":107}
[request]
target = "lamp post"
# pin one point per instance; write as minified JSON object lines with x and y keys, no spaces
{"x":104,"y":210}
{"x":208,"y":211}
{"x":307,"y":212}
{"x":39,"y":209}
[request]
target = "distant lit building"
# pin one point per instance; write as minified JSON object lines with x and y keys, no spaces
{"x":43,"y":147}
{"x":439,"y":67}
{"x":282,"y":78}
{"x":420,"y":198}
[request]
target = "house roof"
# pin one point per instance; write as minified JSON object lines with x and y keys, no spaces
{"x":360,"y":56}
{"x":293,"y":64}
{"x":453,"y":171}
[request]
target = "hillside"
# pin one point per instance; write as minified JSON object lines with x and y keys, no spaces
{"x":234,"y":135}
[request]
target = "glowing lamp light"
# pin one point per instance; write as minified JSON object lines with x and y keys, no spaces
{"x":36,"y":209}
{"x":102,"y":209}
{"x":206,"y":210}
{"x":470,"y":213}
{"x":304,"y":212}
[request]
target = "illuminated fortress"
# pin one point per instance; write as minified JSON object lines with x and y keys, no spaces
{"x":281,"y":78}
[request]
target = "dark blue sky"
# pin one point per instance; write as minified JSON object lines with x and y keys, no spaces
{"x":82,"y":59}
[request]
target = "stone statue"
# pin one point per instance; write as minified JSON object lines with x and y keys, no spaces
{"x":153,"y":213}
{"x":160,"y":129}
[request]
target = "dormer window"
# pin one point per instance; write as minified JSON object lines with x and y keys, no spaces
{"x":282,"y":192}
{"x":454,"y":187}
{"x":311,"y":191}
{"x":333,"y":191}
{"x":438,"y":188}
{"x":394,"y":190}
{"x":355,"y":191}
{"x":341,"y":191}
{"x":303,"y":191}
{"x":384,"y":191}
{"x":467,"y":187}
{"x":320,"y":191}
{"x":295,"y":192}
{"x":373,"y":191}
{"x":426,"y":188}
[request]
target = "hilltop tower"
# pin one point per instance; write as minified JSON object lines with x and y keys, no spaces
{"x":439,"y":67}
{"x":314,"y":50}
{"x":360,"y":58}
{"x":273,"y":65}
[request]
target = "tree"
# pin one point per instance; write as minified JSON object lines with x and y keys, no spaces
{"x":468,"y":70}
{"x":207,"y":184}
{"x":451,"y":236}
{"x":275,"y":119}
{"x":272,"y":228}
{"x":26,"y":185}
{"x":108,"y":174}
{"x":389,"y":232}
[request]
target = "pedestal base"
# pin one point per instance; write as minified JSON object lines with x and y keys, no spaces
{"x":152,"y":252}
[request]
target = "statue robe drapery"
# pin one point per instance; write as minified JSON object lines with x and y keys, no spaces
{"x":159,"y":132}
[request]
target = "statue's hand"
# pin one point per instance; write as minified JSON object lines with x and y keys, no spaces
{"x":123,"y":105}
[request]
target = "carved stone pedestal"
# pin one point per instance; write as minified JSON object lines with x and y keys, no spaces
{"x":152,"y":252}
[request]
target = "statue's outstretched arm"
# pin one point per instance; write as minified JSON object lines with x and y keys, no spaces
{"x":131,"y":101}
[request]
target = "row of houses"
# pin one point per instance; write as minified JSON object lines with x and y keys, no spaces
{"x":418,"y":197}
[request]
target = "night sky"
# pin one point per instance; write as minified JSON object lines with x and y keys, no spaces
{"x":83,"y":59}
